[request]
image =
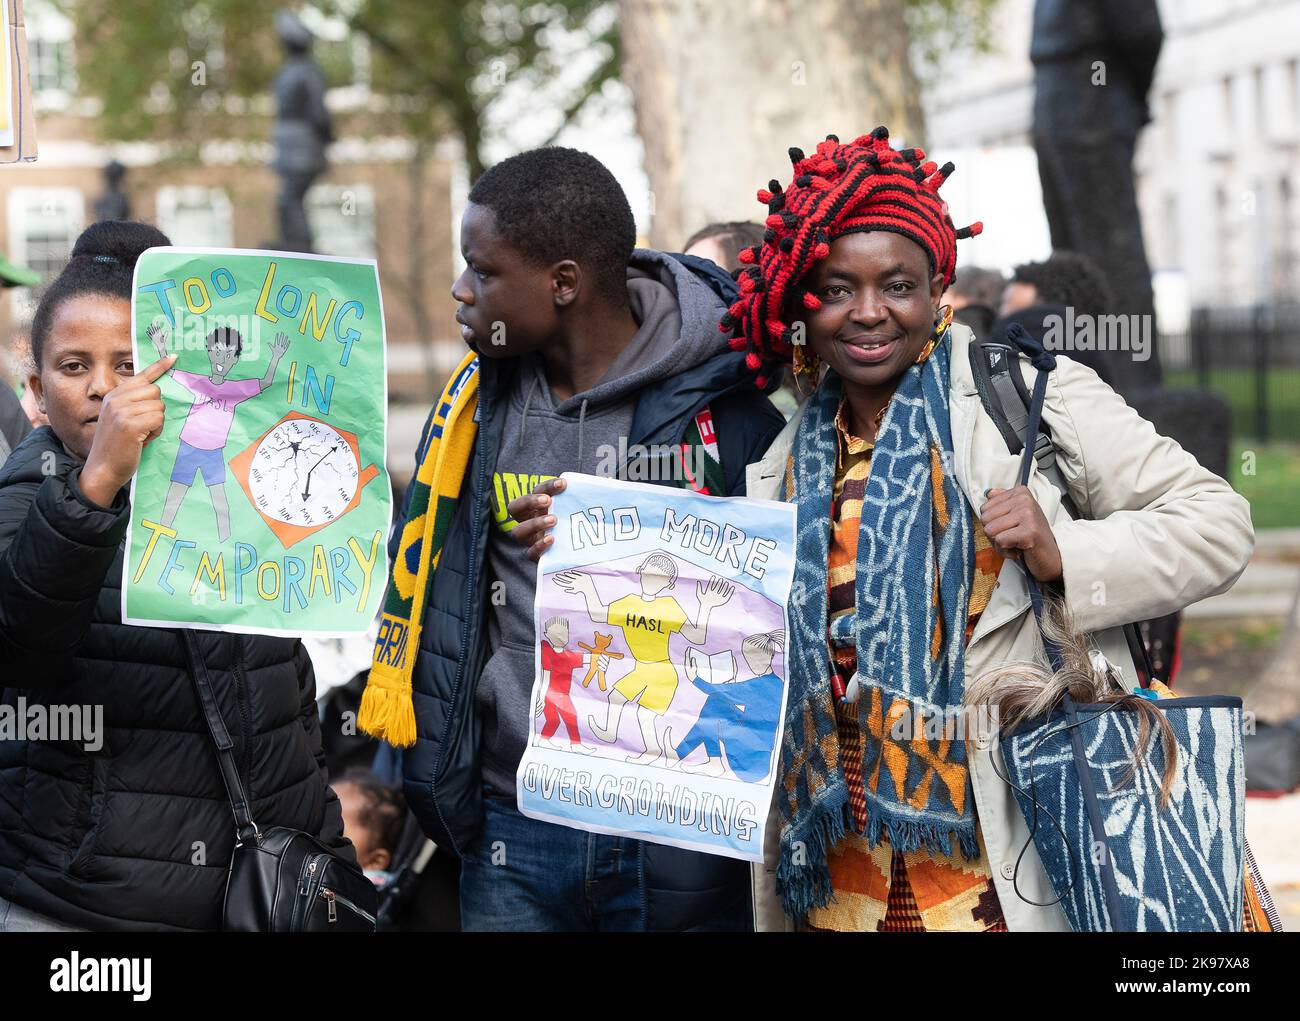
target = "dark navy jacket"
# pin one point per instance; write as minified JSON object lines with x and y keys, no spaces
{"x":441,"y":774}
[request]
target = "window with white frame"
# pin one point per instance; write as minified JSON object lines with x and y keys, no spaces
{"x":195,"y":216}
{"x":50,"y":48}
{"x":43,"y":225}
{"x":342,"y":219}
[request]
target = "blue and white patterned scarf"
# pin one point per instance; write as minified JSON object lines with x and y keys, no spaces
{"x":914,"y":571}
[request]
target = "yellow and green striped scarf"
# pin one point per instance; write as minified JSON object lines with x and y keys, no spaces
{"x":387,"y":710}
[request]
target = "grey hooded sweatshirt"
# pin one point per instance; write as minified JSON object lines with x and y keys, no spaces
{"x":677,"y":315}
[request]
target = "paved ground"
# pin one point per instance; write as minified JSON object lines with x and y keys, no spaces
{"x":1256,"y":605}
{"x":1273,"y":829}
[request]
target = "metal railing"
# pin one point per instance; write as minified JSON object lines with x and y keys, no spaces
{"x":1251,"y":357}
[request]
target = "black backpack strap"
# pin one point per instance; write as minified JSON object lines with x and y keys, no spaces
{"x":995,"y":364}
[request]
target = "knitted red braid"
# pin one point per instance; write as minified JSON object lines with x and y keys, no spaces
{"x":864,"y":185}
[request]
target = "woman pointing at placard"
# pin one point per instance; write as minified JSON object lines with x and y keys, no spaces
{"x":128,"y":826}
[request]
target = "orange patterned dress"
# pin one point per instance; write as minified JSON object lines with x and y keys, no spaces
{"x":880,"y":889}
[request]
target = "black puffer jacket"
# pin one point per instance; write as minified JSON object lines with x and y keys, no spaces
{"x":136,"y":834}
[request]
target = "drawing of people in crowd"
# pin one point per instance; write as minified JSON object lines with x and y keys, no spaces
{"x":649,"y":619}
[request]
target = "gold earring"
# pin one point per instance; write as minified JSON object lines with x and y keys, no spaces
{"x":805,"y":366}
{"x":942,"y":320}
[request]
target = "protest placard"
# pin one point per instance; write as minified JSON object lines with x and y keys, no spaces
{"x":660,"y":673}
{"x":264,"y":506}
{"x":17,"y":118}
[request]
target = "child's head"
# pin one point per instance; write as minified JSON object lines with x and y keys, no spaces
{"x":858,"y":251}
{"x":659,"y":572}
{"x":556,"y":631}
{"x":373,"y":817}
{"x":547,"y":234}
{"x":81,"y":333}
{"x":759,"y":650}
{"x":225,"y":345}
{"x":723,"y":242}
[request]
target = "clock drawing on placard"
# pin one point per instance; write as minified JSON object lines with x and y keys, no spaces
{"x":302,"y":475}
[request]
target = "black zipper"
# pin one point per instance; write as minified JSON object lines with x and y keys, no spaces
{"x":332,"y":898}
{"x":309,"y":881}
{"x":476,"y":520}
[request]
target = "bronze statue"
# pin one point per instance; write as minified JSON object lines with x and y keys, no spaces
{"x":113,"y":204}
{"x":1093,"y":66}
{"x":302,"y":130}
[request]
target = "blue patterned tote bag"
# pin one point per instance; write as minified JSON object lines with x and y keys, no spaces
{"x":1120,"y":856}
{"x":1118,"y":860}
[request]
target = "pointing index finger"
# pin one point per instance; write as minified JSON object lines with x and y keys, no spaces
{"x":154,"y":371}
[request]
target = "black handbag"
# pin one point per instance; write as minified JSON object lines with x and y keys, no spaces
{"x":281,"y":880}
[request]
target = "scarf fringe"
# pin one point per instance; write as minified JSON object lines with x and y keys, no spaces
{"x":806,"y":886}
{"x":387,"y":711}
{"x":910,"y":835}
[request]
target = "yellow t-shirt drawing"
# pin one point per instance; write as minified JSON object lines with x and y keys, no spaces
{"x":647,"y":626}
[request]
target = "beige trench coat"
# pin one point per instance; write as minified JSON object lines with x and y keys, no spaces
{"x":1162,"y":532}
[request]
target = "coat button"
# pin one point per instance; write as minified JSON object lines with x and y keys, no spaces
{"x":1008,"y":871}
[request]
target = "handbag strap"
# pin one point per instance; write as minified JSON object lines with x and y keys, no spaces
{"x":1110,"y":888}
{"x":1137,"y":647}
{"x":222,"y":743}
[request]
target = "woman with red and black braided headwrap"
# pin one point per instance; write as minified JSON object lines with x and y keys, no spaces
{"x":908,"y":509}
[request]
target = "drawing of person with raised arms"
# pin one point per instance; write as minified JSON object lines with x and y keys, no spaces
{"x":207,"y":426}
{"x":648,"y":619}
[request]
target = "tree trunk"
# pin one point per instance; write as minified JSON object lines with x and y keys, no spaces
{"x":724,"y":87}
{"x":417,"y":270}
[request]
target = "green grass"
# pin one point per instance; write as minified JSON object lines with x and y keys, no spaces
{"x":1214,"y":637}
{"x":1237,"y":387}
{"x":1274,"y":487}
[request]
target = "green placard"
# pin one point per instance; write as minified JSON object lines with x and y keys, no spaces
{"x":264,"y":506}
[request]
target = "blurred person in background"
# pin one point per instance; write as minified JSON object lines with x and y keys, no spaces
{"x":1041,"y":294}
{"x":15,"y":419}
{"x":722,"y":242}
{"x":975,"y":297}
{"x":395,"y":856}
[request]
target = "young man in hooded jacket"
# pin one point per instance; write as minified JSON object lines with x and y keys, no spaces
{"x":594,"y":357}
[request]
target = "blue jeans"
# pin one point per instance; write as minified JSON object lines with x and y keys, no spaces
{"x":525,"y":875}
